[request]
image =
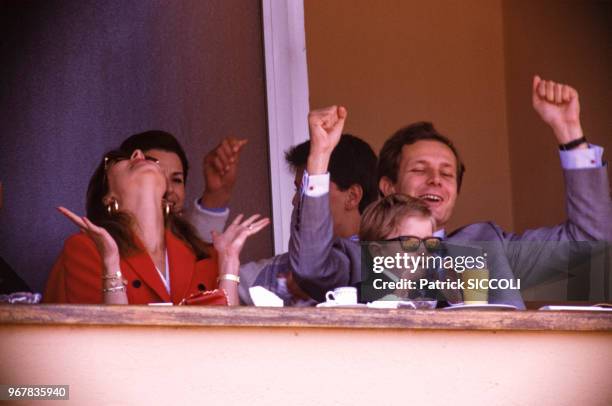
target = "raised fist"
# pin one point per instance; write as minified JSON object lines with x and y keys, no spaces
{"x":326,"y":126}
{"x":558,"y":106}
{"x":325,"y":130}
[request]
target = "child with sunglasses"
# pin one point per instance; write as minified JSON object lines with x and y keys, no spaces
{"x":401,"y":227}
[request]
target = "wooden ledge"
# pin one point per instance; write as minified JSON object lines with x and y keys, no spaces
{"x":213,"y":316}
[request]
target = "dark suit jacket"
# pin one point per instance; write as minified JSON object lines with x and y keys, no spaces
{"x":77,"y":274}
{"x":321,"y":262}
{"x":10,"y":282}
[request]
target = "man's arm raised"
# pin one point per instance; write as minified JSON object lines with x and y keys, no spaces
{"x":317,"y":265}
{"x":588,"y":203}
{"x":587,"y":192}
{"x":220,"y":169}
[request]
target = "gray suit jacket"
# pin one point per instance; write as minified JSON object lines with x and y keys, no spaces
{"x":321,"y":262}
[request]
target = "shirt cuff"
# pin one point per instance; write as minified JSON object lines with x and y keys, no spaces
{"x":213,"y":211}
{"x":315,"y":185}
{"x":582,"y":158}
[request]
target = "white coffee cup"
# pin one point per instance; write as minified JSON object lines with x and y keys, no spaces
{"x":346,"y":295}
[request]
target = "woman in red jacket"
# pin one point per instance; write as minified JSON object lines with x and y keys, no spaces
{"x":134,"y":249}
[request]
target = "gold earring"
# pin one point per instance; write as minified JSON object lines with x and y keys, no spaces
{"x":112,"y":207}
{"x":167,"y":207}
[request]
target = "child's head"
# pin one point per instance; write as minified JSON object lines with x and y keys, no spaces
{"x":396,"y":215}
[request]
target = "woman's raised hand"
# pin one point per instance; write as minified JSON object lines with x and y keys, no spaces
{"x":230,"y":242}
{"x":107,"y":247}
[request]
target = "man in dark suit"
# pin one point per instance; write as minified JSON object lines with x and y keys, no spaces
{"x":420,"y":162}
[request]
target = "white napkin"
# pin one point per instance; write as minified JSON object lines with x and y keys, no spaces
{"x":263,"y":297}
{"x":21,"y":297}
{"x":383,"y":304}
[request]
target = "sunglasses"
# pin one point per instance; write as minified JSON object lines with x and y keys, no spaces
{"x":410,"y":243}
{"x":116,"y":156}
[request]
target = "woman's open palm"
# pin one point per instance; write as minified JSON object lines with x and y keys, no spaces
{"x":107,"y":247}
{"x":231,"y":241}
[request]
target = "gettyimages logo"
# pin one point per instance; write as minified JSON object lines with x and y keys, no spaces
{"x":412,"y":262}
{"x":452,"y":272}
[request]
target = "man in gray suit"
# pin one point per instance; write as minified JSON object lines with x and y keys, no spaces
{"x":420,"y":162}
{"x":352,"y":186}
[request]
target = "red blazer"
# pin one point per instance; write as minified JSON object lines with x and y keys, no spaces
{"x":77,"y":274}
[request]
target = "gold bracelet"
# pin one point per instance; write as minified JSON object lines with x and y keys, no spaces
{"x":115,"y":282}
{"x":115,"y":275}
{"x":229,"y":277}
{"x":114,"y":289}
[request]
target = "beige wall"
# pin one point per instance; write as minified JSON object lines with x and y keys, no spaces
{"x":466,"y":66}
{"x":135,"y":365}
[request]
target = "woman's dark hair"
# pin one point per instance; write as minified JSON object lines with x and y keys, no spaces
{"x":119,"y":224}
{"x":156,"y":139}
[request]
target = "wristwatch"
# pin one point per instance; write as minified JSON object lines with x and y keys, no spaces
{"x":573,"y":144}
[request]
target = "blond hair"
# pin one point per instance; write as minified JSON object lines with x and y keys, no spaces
{"x":385,"y":215}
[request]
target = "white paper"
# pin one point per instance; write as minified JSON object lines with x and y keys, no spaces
{"x":578,"y":308}
{"x":264,"y":298}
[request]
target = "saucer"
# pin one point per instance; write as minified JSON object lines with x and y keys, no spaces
{"x":340,"y":305}
{"x":481,"y":307}
{"x":403,"y":304}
